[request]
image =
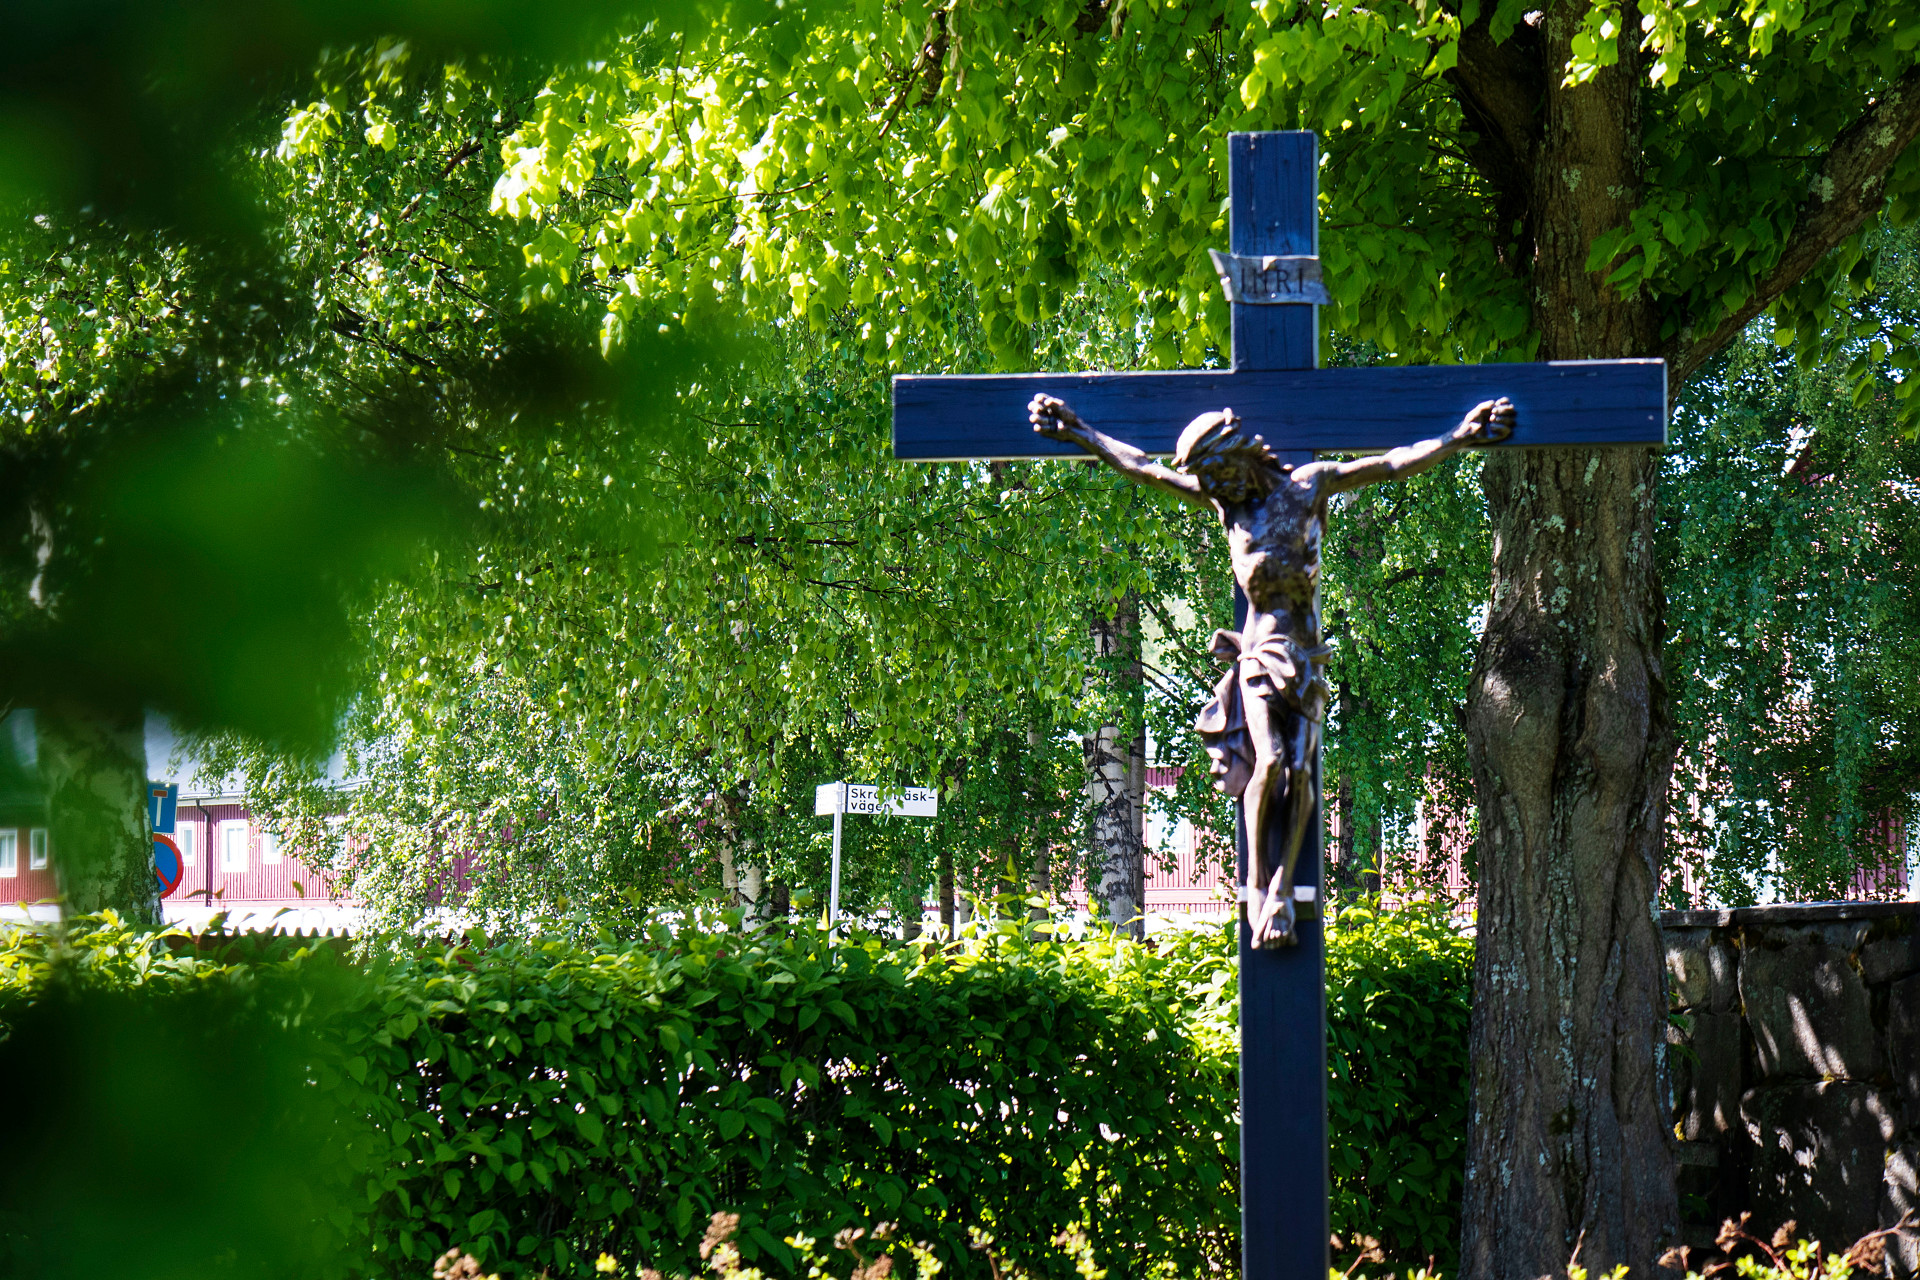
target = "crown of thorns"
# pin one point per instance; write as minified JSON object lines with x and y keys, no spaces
{"x":1218,"y":436}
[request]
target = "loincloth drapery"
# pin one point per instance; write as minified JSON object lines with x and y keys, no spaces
{"x":1275,"y":668}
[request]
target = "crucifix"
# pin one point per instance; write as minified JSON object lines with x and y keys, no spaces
{"x":1244,"y":442}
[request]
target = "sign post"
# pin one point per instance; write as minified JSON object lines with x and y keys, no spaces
{"x":842,"y":798}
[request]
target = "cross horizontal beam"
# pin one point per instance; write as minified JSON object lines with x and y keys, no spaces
{"x":1575,"y":402}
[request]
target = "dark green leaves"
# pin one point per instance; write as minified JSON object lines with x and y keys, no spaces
{"x":131,"y":107}
{"x":209,"y":564}
{"x":100,"y":1179}
{"x":997,"y":1084}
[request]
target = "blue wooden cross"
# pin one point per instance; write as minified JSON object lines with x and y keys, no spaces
{"x":1276,"y":386}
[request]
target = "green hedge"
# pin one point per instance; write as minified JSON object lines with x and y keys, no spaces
{"x":1399,"y":990}
{"x":1399,"y":987}
{"x":537,"y":1103}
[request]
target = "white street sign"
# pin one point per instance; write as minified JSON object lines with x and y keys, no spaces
{"x":842,"y":798}
{"x":906,"y":802}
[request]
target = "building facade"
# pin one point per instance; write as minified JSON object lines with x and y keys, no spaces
{"x":232,"y":863}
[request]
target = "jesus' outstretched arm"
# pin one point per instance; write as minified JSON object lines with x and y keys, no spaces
{"x":1052,"y":419}
{"x":1490,"y":422}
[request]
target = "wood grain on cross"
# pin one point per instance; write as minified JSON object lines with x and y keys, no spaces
{"x":1276,"y":386}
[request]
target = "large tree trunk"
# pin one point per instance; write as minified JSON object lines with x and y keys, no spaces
{"x":1571,"y":746}
{"x":94,"y":767}
{"x":1116,"y":775}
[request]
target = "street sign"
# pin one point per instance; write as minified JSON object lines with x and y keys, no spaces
{"x":842,"y":798}
{"x":861,"y":797}
{"x":168,"y":865}
{"x":162,"y":798}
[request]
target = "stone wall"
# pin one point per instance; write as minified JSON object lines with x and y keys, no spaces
{"x":1796,"y":1067}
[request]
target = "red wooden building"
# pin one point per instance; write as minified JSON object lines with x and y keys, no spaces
{"x":233,"y":864}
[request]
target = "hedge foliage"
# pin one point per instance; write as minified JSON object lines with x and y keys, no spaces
{"x":537,"y":1103}
{"x":1399,"y":989}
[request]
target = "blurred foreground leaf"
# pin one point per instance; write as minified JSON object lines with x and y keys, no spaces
{"x":163,"y":1139}
{"x":210,"y":567}
{"x":130,"y":107}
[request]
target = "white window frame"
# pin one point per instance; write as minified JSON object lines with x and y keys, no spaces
{"x":186,"y":835}
{"x":9,"y":854}
{"x":270,"y":853}
{"x":37,"y":849}
{"x":225,"y":843}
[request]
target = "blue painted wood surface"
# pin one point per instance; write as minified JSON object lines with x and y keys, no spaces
{"x":1284,"y":1183}
{"x":1274,"y":179}
{"x":1584,"y":402}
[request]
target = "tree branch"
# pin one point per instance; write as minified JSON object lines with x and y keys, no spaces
{"x":466,"y":151}
{"x":1091,"y":18}
{"x":1408,"y":575}
{"x":1502,"y":89}
{"x":1848,"y":188}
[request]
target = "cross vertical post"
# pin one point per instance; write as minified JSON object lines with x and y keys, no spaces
{"x":1274,"y":188}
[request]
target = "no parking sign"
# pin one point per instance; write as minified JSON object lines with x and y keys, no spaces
{"x":168,"y":866}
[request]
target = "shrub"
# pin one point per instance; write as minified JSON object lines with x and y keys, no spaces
{"x":537,"y":1104}
{"x":1399,"y":988}
{"x":172,"y":1137}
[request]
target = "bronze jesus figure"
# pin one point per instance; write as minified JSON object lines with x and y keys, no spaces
{"x":1262,"y":729}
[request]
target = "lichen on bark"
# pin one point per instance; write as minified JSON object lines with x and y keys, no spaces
{"x":93,"y":766}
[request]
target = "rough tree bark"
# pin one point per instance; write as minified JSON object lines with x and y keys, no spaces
{"x":1040,"y":878}
{"x":1567,"y":716}
{"x":947,"y":905}
{"x":93,"y":764}
{"x":1116,"y":775}
{"x":1567,"y":725}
